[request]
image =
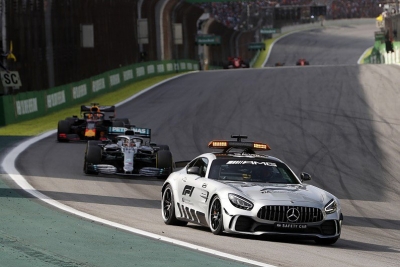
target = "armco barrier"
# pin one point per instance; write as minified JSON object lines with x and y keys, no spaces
{"x":30,"y":105}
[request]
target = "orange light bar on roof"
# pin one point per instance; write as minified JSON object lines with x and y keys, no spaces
{"x":218,"y":144}
{"x":261,"y":146}
{"x":236,"y":144}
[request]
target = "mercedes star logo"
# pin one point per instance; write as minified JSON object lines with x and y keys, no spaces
{"x":293,"y":215}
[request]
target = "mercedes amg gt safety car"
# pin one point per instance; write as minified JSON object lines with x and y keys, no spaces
{"x":129,"y":153}
{"x":236,"y":63}
{"x":93,"y":124}
{"x":240,"y":191}
{"x":302,"y":62}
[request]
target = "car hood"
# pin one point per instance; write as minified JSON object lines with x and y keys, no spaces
{"x":283,"y":192}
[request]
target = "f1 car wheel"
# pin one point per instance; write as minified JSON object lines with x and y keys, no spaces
{"x":92,"y":156}
{"x":63,"y":128}
{"x":164,"y":159}
{"x":168,"y":208}
{"x":124,"y":120}
{"x":326,"y":241}
{"x":93,"y":143}
{"x":215,"y":216}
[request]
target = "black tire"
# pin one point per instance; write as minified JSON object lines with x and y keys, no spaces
{"x":164,"y":159}
{"x":93,"y":143}
{"x":215,"y":217}
{"x":63,"y":128}
{"x":326,"y":241}
{"x":168,"y":208}
{"x":126,"y":121}
{"x":92,"y":156}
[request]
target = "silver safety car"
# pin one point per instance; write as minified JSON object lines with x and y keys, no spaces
{"x":240,"y":191}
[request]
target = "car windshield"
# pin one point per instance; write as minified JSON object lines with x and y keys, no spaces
{"x":253,"y":170}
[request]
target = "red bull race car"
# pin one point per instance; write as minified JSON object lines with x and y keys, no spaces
{"x":236,"y":63}
{"x":92,"y":125}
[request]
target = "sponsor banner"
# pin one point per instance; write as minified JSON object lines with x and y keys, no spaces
{"x":160,"y":68}
{"x":79,"y":91}
{"x":140,"y":71}
{"x":26,"y":106}
{"x":127,"y":75}
{"x":150,"y":69}
{"x":98,"y":85}
{"x":170,"y":67}
{"x":55,"y":99}
{"x":115,"y":80}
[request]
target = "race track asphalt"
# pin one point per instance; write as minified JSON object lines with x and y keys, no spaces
{"x":35,"y":234}
{"x":337,"y":122}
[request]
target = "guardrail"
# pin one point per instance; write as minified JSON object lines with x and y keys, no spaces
{"x":29,"y":105}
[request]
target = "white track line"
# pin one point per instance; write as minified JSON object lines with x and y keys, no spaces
{"x":8,"y":165}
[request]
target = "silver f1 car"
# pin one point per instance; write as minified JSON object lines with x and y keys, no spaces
{"x":239,"y":191}
{"x":128,"y":154}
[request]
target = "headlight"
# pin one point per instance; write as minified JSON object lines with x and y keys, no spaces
{"x":331,"y":207}
{"x":240,"y":202}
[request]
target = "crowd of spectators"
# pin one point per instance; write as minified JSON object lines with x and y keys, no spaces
{"x":339,"y":9}
{"x":234,"y":13}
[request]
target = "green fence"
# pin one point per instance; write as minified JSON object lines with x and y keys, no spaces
{"x":30,"y":105}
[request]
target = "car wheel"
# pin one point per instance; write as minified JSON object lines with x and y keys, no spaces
{"x":168,"y":208}
{"x":215,"y":216}
{"x":326,"y":241}
{"x":63,"y":128}
{"x":92,"y":156}
{"x":164,"y":161}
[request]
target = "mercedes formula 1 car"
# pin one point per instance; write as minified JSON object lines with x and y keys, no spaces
{"x":236,"y":63}
{"x":93,"y":124}
{"x":302,"y":62}
{"x":131,"y":152}
{"x":237,"y":190}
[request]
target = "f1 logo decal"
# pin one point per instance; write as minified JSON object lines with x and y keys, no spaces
{"x":188,"y":190}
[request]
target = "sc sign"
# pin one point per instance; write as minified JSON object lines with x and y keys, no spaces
{"x":10,"y":79}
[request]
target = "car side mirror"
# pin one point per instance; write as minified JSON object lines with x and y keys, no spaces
{"x":193,"y":170}
{"x":305,"y":176}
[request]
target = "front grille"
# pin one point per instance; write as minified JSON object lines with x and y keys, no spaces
{"x":280,"y":214}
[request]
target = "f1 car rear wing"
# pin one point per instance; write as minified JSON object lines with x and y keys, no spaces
{"x":140,"y":132}
{"x":85,"y":108}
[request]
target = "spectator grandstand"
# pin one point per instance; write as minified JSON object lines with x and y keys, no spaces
{"x":235,"y":14}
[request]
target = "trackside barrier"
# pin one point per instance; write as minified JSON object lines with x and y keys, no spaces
{"x":30,"y":105}
{"x":380,"y":56}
